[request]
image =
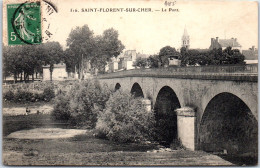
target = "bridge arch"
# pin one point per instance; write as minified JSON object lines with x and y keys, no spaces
{"x":165,"y":116}
{"x":249,"y":98}
{"x":228,"y":124}
{"x":136,"y":90}
{"x":117,"y":86}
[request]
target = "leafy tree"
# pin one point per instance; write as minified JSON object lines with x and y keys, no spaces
{"x":233,"y":56}
{"x":212,"y":57}
{"x":84,"y":47}
{"x":69,"y":60}
{"x":153,"y":61}
{"x":100,"y":58}
{"x":107,"y":46}
{"x":20,"y":60}
{"x":52,"y":54}
{"x":27,"y":60}
{"x":112,"y":45}
{"x":140,"y":62}
{"x":81,"y":44}
{"x":164,"y":54}
{"x":184,"y":56}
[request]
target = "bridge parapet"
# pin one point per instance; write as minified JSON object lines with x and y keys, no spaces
{"x":233,"y":73}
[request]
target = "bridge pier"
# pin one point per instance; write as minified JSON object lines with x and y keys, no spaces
{"x":148,"y":105}
{"x":186,"y":119}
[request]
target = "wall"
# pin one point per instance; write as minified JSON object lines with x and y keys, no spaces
{"x":46,"y":74}
{"x":57,"y":74}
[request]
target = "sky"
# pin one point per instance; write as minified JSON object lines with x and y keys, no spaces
{"x":148,"y":32}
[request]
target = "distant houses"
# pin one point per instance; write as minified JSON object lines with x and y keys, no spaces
{"x":251,"y":55}
{"x":224,"y":43}
{"x":123,"y":62}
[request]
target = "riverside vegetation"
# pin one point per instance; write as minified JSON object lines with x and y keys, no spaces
{"x":113,"y":115}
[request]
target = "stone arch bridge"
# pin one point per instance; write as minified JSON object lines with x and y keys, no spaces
{"x":217,"y":105}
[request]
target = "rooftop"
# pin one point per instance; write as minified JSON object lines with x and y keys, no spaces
{"x":229,"y":42}
{"x":250,"y":54}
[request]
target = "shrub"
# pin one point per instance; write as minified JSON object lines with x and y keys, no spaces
{"x":81,"y":104}
{"x":125,"y":119}
{"x":8,"y":96}
{"x":61,"y":110}
{"x":48,"y":93}
{"x":23,"y":96}
{"x":89,"y":98}
{"x":38,"y":97}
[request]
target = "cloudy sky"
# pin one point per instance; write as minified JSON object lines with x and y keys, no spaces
{"x":147,"y":32}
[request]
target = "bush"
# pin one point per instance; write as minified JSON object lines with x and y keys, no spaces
{"x":38,"y":97}
{"x":61,"y":110}
{"x":48,"y":93}
{"x":125,"y":119}
{"x":81,"y":104}
{"x":23,"y":96}
{"x":8,"y":96}
{"x":88,"y":100}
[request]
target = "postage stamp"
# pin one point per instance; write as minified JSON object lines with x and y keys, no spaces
{"x":24,"y":23}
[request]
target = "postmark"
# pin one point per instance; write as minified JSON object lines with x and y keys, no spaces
{"x":49,"y":12}
{"x":24,"y":23}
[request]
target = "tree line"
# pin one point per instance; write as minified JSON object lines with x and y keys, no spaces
{"x":21,"y":61}
{"x":82,"y":46}
{"x":192,"y":57}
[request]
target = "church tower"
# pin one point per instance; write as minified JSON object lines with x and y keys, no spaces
{"x":185,"y":39}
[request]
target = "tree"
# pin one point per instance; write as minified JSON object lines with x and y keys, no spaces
{"x":153,"y":61}
{"x":164,"y":54}
{"x":100,"y":59}
{"x":81,"y":44}
{"x":52,"y":54}
{"x":212,"y":57}
{"x":140,"y":62}
{"x":9,"y":61}
{"x":69,"y":60}
{"x":107,"y":46}
{"x":26,"y":60}
{"x":84,"y":47}
{"x":233,"y":56}
{"x":184,"y":56}
{"x":20,"y":60}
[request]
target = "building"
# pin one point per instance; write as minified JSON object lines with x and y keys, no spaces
{"x":58,"y":73}
{"x":185,"y":39}
{"x":128,"y":59}
{"x":113,"y":65}
{"x":224,"y":43}
{"x":125,"y":60}
{"x":174,"y":60}
{"x":251,"y":55}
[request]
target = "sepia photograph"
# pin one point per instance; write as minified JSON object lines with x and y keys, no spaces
{"x":130,"y":83}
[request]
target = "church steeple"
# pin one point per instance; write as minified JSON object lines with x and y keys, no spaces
{"x":185,"y":39}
